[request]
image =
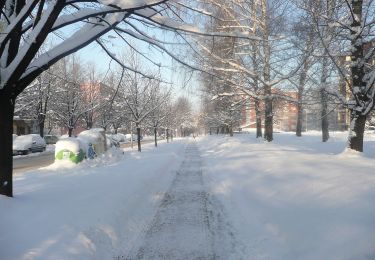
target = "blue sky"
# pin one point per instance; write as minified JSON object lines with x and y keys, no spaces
{"x":171,"y":71}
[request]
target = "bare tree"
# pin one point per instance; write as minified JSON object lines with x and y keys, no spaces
{"x":259,"y":64}
{"x":182,"y":108}
{"x":157,"y":117}
{"x":140,"y":94}
{"x":304,"y":40}
{"x":69,"y":98}
{"x":112,"y":112}
{"x":348,"y":25}
{"x":93,"y":95}
{"x":34,"y":102}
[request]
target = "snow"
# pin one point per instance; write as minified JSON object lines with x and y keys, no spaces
{"x":69,"y":143}
{"x":89,"y":211}
{"x":24,"y":142}
{"x":294,"y":198}
{"x":95,"y":136}
{"x":130,"y":4}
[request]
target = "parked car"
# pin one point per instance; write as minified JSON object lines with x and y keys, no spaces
{"x":130,"y":136}
{"x":118,"y":137}
{"x":112,"y":141}
{"x":25,"y":144}
{"x":51,"y":139}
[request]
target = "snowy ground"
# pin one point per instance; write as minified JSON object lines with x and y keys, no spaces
{"x":214,"y":198}
{"x":93,"y":211}
{"x":295,"y":198}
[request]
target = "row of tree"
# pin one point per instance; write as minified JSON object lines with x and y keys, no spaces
{"x":27,"y":25}
{"x":320,"y":50}
{"x":70,"y":95}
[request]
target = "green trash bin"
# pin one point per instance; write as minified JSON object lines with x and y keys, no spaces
{"x":69,"y":149}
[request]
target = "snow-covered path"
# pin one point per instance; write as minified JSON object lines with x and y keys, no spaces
{"x":185,"y":224}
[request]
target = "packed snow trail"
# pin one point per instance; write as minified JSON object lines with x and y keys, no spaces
{"x":185,"y":226}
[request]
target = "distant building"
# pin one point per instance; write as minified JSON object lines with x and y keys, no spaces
{"x":22,"y":126}
{"x":284,"y":109}
{"x":248,"y":114}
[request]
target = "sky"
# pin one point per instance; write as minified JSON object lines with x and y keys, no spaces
{"x":171,"y":70}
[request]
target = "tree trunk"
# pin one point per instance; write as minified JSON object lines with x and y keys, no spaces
{"x":299,"y":120}
{"x":324,"y":115}
{"x":116,"y":129}
{"x":6,"y":140}
{"x":155,"y":135}
{"x":323,"y":93}
{"x":167,"y":134}
{"x":301,"y":88}
{"x":258,"y":119}
{"x":89,"y":125}
{"x":230,"y":131}
{"x":268,"y":122}
{"x":139,"y":138}
{"x":258,"y":115}
{"x":299,"y":113}
{"x":359,"y":88}
{"x":355,"y":140}
{"x":41,"y":128}
{"x":70,"y":132}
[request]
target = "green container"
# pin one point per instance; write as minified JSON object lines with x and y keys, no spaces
{"x":69,"y":155}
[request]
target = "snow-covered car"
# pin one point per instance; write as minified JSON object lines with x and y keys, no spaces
{"x":51,"y":139}
{"x":118,"y":137}
{"x":112,"y":141}
{"x":26,"y":144}
{"x":135,"y":137}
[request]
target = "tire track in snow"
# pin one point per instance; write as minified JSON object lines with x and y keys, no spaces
{"x":186,"y":225}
